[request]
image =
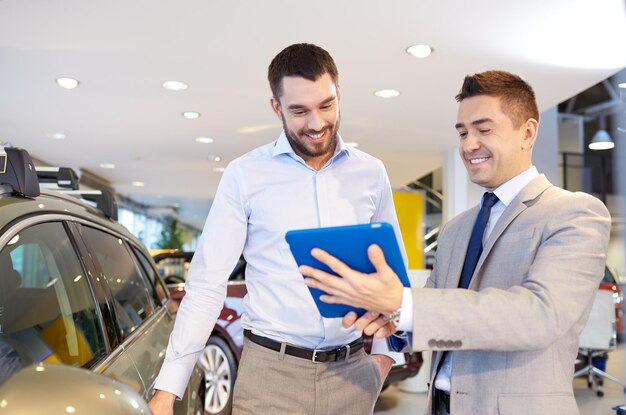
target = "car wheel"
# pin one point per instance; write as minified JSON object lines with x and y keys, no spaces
{"x":219,"y":371}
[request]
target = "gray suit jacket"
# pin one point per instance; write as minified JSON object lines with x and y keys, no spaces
{"x":514,"y":332}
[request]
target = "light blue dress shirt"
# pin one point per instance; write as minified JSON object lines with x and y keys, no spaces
{"x":262,"y":195}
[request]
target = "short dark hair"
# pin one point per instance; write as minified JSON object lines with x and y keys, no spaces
{"x":517,"y":98}
{"x":302,"y":59}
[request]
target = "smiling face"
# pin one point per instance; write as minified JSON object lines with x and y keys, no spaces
{"x":309,"y":111}
{"x":492,"y":148}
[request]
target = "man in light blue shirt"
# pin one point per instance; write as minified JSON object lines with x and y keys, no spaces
{"x":307,"y":178}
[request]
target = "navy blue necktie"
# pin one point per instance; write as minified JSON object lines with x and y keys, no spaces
{"x":475,"y":247}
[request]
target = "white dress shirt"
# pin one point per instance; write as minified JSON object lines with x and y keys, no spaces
{"x":262,"y":195}
{"x":506,"y":193}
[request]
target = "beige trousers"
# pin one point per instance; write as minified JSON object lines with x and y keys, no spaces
{"x":268,"y":383}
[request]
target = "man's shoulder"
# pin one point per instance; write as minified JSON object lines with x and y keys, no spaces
{"x":264,"y":152}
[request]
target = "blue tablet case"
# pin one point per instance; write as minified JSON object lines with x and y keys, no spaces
{"x":349,"y":244}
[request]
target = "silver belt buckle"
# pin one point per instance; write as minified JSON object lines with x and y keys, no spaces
{"x":347,"y":352}
{"x":314,"y":357}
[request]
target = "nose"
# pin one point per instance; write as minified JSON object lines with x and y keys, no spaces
{"x":470,"y":144}
{"x":315,"y":121}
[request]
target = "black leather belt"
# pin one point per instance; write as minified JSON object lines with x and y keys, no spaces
{"x":442,"y":399}
{"x":316,"y":356}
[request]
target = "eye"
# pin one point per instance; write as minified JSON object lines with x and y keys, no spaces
{"x":484,"y":131}
{"x":298,"y":112}
{"x":462,"y":134}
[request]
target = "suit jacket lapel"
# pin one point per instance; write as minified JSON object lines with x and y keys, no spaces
{"x":457,"y":256}
{"x":517,"y":206}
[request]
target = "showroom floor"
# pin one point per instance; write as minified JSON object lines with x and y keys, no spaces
{"x":396,"y":402}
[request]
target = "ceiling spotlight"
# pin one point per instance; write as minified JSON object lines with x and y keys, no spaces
{"x":191,"y":115}
{"x":387,"y":93}
{"x":204,"y":140}
{"x":56,"y":136}
{"x":67,"y":83}
{"x":138,"y":184}
{"x":622,"y":85}
{"x":218,"y":169}
{"x":175,"y":85}
{"x":107,"y":165}
{"x":601,"y":141}
{"x":352,"y":144}
{"x":419,"y":51}
{"x":214,"y":157}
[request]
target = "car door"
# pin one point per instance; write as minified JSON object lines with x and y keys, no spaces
{"x":144,"y":322}
{"x":49,"y":312}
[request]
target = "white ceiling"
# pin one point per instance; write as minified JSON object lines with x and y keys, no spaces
{"x":121,"y":52}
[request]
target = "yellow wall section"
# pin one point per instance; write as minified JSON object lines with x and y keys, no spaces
{"x":410,"y":211}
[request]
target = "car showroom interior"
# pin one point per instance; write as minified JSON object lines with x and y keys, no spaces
{"x":125,"y":125}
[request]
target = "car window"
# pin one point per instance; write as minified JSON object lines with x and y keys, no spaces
{"x":131,"y":294}
{"x":47,"y":311}
{"x":608,"y":277}
{"x":156,"y":282}
{"x":173,"y":267}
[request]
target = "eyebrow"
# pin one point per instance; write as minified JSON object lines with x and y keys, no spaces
{"x":326,"y":101}
{"x":477,"y":122}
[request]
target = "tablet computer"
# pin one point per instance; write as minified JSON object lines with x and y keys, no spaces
{"x":349,"y":244}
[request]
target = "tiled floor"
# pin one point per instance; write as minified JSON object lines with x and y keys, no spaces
{"x":396,"y":402}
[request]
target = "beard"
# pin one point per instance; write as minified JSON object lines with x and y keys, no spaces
{"x":300,"y":145}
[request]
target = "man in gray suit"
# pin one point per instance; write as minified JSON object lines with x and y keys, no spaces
{"x":514,"y":278}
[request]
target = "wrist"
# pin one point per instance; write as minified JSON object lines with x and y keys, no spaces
{"x":164,"y":396}
{"x":396,"y":302}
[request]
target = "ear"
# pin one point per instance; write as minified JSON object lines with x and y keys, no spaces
{"x":276,"y":107}
{"x":530,"y":130}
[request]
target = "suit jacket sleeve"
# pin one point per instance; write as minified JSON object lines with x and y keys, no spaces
{"x":563,"y":261}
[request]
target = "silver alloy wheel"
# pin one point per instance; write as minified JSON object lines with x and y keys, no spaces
{"x":217,"y":378}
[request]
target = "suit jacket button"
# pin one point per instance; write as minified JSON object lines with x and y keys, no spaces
{"x":432,"y":343}
{"x":440,"y":344}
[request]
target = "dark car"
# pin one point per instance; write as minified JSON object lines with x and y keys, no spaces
{"x":77,"y":288}
{"x":226,"y":342}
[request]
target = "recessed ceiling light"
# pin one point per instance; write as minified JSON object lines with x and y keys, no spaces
{"x":622,"y":85}
{"x":138,"y":184}
{"x":352,"y":144}
{"x":218,"y":169}
{"x":67,"y":83}
{"x":192,"y":115}
{"x":214,"y":157}
{"x":420,"y":51}
{"x":175,"y":85}
{"x":387,"y":93}
{"x":204,"y":140}
{"x":107,"y":165}
{"x":56,"y":136}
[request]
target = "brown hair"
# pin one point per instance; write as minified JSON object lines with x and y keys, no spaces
{"x":517,"y":98}
{"x":302,"y":59}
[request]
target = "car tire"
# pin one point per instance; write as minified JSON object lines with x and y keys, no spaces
{"x":219,"y":369}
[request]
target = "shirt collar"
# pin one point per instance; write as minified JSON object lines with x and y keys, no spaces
{"x":507,"y":191}
{"x":282,"y":146}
